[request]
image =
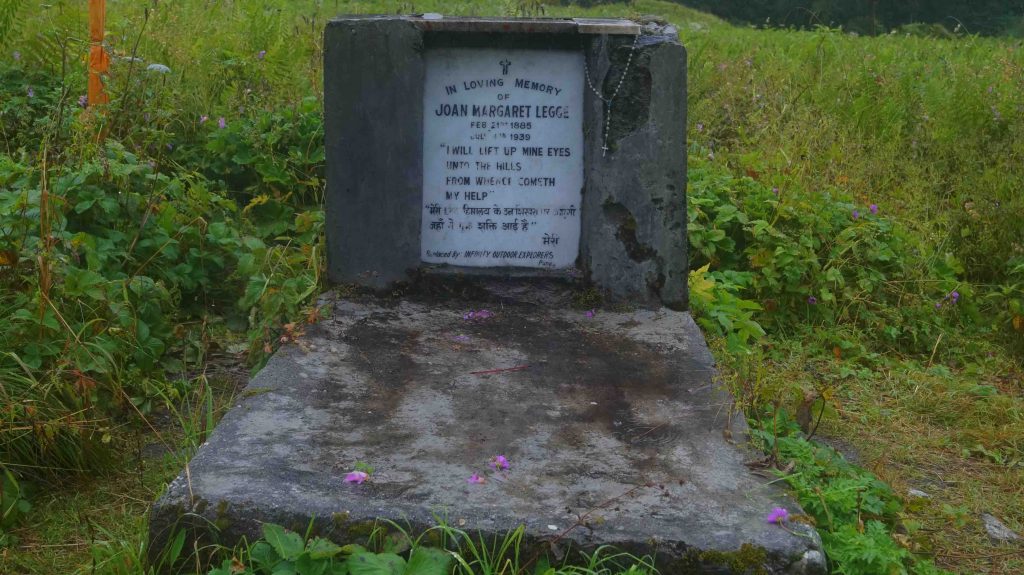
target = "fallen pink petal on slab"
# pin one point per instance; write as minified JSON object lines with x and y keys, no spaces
{"x":356,"y":477}
{"x":499,"y":462}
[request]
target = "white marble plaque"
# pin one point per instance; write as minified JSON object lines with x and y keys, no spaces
{"x":502,"y":157}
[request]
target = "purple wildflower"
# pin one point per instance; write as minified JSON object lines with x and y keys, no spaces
{"x":461,"y":338}
{"x":203,"y":119}
{"x":475,"y":479}
{"x":356,"y":477}
{"x":590,"y":313}
{"x":812,"y":300}
{"x":262,"y":54}
{"x":856,"y":214}
{"x":222,"y":123}
{"x":499,"y":462}
{"x":778,"y":515}
{"x":874,"y":209}
{"x":952,"y":297}
{"x":83,"y":101}
{"x":775,"y":191}
{"x":31,"y":92}
{"x":482,"y":314}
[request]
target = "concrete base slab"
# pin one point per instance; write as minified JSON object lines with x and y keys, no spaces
{"x":613,"y":428}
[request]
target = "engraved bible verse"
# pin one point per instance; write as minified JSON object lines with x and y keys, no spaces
{"x":502,"y":157}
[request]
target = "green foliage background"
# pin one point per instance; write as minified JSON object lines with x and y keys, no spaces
{"x":927,"y":17}
{"x":124,"y":263}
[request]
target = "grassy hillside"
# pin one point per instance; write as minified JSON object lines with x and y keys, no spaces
{"x":937,"y":17}
{"x":858,"y":260}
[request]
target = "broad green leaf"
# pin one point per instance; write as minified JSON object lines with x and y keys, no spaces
{"x":287,"y":544}
{"x":264,"y":555}
{"x":339,"y":568}
{"x":284,"y":568}
{"x":322,"y":548}
{"x":376,"y":564}
{"x":428,"y":561}
{"x":306,"y":565}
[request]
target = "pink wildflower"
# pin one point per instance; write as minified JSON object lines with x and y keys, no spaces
{"x":475,"y":479}
{"x":778,"y":515}
{"x":499,"y":463}
{"x":356,"y":477}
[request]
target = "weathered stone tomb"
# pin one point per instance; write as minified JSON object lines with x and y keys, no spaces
{"x":507,"y":224}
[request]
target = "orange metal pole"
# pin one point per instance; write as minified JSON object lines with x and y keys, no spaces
{"x":99,"y":62}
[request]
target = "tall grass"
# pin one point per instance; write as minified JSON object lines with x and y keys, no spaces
{"x":931,"y":130}
{"x":130,"y":257}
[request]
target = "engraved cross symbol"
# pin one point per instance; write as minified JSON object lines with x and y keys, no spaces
{"x":504,"y":66}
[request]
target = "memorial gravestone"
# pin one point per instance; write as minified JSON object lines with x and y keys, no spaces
{"x":580,"y":131}
{"x":485,"y":177}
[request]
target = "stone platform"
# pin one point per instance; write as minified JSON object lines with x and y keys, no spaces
{"x":613,"y":418}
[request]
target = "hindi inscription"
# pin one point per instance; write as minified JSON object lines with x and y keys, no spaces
{"x":502,"y":157}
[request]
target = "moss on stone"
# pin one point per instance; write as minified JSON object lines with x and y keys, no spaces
{"x":220,"y":516}
{"x":748,"y":559}
{"x":340,"y":519}
{"x":360,"y":530}
{"x":256,"y":391}
{"x":588,"y":298}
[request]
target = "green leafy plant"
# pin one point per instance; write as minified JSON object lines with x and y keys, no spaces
{"x":808,"y":259}
{"x":854,"y":511}
{"x":117,"y":264}
{"x":714,"y":299}
{"x":283,"y":552}
{"x":13,"y":504}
